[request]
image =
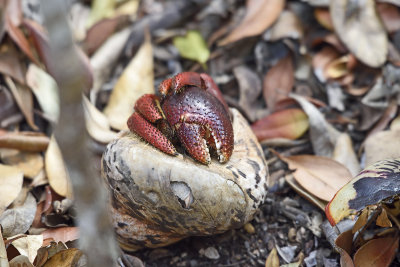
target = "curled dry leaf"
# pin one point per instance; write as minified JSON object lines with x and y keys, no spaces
{"x":360,"y":28}
{"x":288,"y":25}
{"x":278,"y":82}
{"x":28,"y":162}
{"x":321,"y":176}
{"x":10,"y":185}
{"x":390,"y":16}
{"x":136,"y":80}
{"x":322,"y":59}
{"x":28,"y":245}
{"x":20,"y":260}
{"x":371,"y":186}
{"x":56,"y":171}
{"x":379,"y":251}
{"x":344,"y":154}
{"x":66,"y":258}
{"x":19,"y":218}
{"x":249,"y":90}
{"x":272,"y":259}
{"x":23,"y":98}
{"x":260,"y":14}
{"x":323,"y":17}
{"x":11,"y":65}
{"x":287,"y":123}
{"x":25,"y":141}
{"x":46,"y":91}
{"x":323,"y":135}
{"x":97,"y":123}
{"x":382,"y":145}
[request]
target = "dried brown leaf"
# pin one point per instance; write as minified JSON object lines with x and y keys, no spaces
{"x":321,"y":176}
{"x":278,"y":82}
{"x":97,"y":123}
{"x":380,"y":252}
{"x":260,"y":14}
{"x":323,"y":17}
{"x":323,"y":135}
{"x":383,"y":220}
{"x":11,"y":65}
{"x":288,"y":25}
{"x":19,"y":218}
{"x":28,"y":245}
{"x":10,"y":185}
{"x":25,"y":141}
{"x":136,"y":80}
{"x":390,"y":16}
{"x":63,"y":234}
{"x":56,"y":171}
{"x":65,"y":258}
{"x":3,"y":252}
{"x":273,"y":259}
{"x":24,"y":99}
{"x":359,"y":27}
{"x":361,"y":221}
{"x":322,"y":59}
{"x":20,"y":260}
{"x":287,"y":123}
{"x":382,"y":145}
{"x":28,"y":162}
{"x":344,"y":153}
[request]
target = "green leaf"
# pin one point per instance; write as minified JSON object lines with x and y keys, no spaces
{"x":192,"y":46}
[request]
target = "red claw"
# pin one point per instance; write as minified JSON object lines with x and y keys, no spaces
{"x":193,"y":107}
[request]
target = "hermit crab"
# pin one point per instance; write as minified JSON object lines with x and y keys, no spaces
{"x":189,"y":110}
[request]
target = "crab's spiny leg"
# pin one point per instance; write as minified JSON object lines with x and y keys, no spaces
{"x":137,"y":124}
{"x":192,"y":138}
{"x":165,"y":87}
{"x":186,"y":79}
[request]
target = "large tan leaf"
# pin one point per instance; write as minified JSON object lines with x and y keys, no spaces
{"x":97,"y":123}
{"x":377,"y":148}
{"x":378,"y":252}
{"x":359,"y":27}
{"x":321,"y":176}
{"x":10,"y":185}
{"x":136,"y":80}
{"x":56,"y":171}
{"x":28,"y":245}
{"x":260,"y":14}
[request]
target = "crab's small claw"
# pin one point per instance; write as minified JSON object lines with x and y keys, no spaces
{"x":192,"y":138}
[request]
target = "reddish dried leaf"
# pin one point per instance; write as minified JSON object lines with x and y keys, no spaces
{"x":99,"y":33}
{"x":390,"y":16}
{"x":260,"y":14}
{"x":323,"y":16}
{"x":371,"y":186}
{"x":278,"y":82}
{"x":62,"y":234}
{"x":11,"y":65}
{"x":378,"y":252}
{"x":383,"y":220}
{"x":361,"y":221}
{"x":322,"y":59}
{"x":288,"y":123}
{"x":25,"y":141}
{"x":19,"y":38}
{"x":321,"y":176}
{"x":345,"y":241}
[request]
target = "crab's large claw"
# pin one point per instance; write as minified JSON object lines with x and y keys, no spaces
{"x":147,"y":110}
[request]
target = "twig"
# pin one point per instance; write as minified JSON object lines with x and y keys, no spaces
{"x":96,"y":233}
